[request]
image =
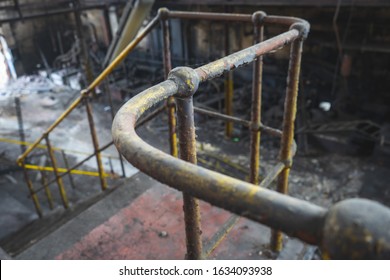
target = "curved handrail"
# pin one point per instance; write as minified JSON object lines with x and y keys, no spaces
{"x":349,"y":222}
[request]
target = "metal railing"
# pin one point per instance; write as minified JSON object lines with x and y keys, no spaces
{"x":82,"y":99}
{"x":350,"y":229}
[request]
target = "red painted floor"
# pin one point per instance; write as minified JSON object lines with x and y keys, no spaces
{"x":152,"y":227}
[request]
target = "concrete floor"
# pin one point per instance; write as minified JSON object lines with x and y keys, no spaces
{"x":144,"y":220}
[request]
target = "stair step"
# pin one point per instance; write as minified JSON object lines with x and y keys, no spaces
{"x":38,"y":229}
{"x":13,"y":214}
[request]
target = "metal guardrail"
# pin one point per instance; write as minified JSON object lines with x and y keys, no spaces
{"x":354,"y":228}
{"x":350,"y":229}
{"x":83,"y":99}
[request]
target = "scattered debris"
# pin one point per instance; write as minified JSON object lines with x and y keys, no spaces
{"x":163,"y":234}
{"x":33,"y":84}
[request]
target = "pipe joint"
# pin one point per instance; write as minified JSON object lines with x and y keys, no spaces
{"x":258,"y":17}
{"x":171,"y":103}
{"x":186,"y":80}
{"x":84,"y":93}
{"x":255,"y":127}
{"x":288,"y":163}
{"x":303,"y":28}
{"x":163,"y":13}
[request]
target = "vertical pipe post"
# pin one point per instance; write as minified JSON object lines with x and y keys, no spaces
{"x":20,"y":123}
{"x":34,"y":196}
{"x":187,"y":81}
{"x":64,"y":157}
{"x":55,"y":170}
{"x":95,"y":143}
{"x":256,"y":101}
{"x":228,"y":87}
{"x":301,"y":121}
{"x":60,"y":45}
{"x":111,"y":167}
{"x":187,"y":144}
{"x":167,"y":68}
{"x":84,"y":49}
{"x":108,"y":91}
{"x":285,"y":153}
{"x":47,"y":190}
{"x":107,"y":25}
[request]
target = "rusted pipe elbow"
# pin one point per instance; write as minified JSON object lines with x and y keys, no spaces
{"x":258,"y":17}
{"x":303,"y":27}
{"x":186,"y":79}
{"x":163,"y":13}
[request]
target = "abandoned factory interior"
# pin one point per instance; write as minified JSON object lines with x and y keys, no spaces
{"x":166,"y":130}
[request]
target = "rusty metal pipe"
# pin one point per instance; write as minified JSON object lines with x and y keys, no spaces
{"x":47,"y":190}
{"x":187,"y":83}
{"x":95,"y":142}
{"x":223,"y":117}
{"x":64,"y":157}
{"x":111,"y":104}
{"x":186,"y":129}
{"x":285,"y":153}
{"x":282,"y":20}
{"x":187,"y":149}
{"x":220,"y":235}
{"x":210,"y":16}
{"x":256,"y":102}
{"x":272,"y":174}
{"x":171,"y":106}
{"x":34,"y":196}
{"x":229,"y":87}
{"x":269,"y":19}
{"x":263,"y":128}
{"x":240,"y":58}
{"x":57,"y":177}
